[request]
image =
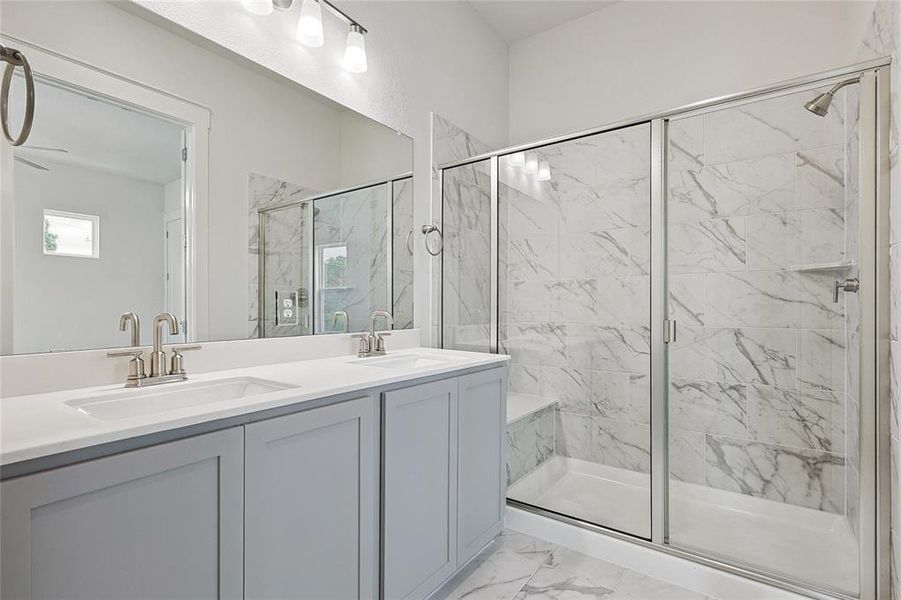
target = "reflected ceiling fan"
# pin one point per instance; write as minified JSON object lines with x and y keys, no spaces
{"x":35,"y":165}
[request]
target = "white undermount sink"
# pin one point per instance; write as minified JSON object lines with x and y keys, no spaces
{"x":172,"y":396}
{"x":402,"y":362}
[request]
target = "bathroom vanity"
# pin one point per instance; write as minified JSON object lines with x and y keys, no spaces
{"x":329,"y":478}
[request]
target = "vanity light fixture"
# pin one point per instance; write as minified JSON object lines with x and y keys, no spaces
{"x":309,"y":26}
{"x":310,"y":31}
{"x":518,"y":159}
{"x":531,"y":166}
{"x":355,"y":50}
{"x":258,"y":7}
{"x":544,"y":171}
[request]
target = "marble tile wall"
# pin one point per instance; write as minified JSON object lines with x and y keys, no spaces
{"x":357,"y":220}
{"x":402,"y":254}
{"x":882,"y":38}
{"x":757,"y":235}
{"x":466,"y":258}
{"x":450,"y":143}
{"x":530,"y":442}
{"x":287,"y":251}
{"x":573,"y":292}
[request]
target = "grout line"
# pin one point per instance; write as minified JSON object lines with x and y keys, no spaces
{"x":538,"y":568}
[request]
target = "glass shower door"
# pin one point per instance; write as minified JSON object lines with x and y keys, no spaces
{"x":762,"y":216}
{"x":466,"y":257}
{"x":574,"y":315}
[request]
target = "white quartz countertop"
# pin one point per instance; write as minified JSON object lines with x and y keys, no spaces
{"x":39,"y":425}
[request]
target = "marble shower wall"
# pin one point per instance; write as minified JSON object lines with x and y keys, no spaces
{"x":287,"y":252}
{"x":449,"y":143}
{"x":574,"y":289}
{"x":466,"y":258}
{"x":760,"y":202}
{"x":358,"y":221}
{"x":402,"y":253}
{"x":882,"y":38}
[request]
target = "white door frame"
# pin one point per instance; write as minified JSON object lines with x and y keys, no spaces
{"x":194,"y":117}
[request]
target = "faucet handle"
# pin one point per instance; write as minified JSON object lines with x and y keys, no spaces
{"x":135,"y":365}
{"x":364,"y":344}
{"x":177,"y":363}
{"x":380,"y":341}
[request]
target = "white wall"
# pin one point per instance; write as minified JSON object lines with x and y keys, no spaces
{"x":367,"y":154}
{"x":65,"y":303}
{"x":634,"y":58}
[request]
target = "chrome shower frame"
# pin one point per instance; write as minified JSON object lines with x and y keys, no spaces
{"x":875,"y":392}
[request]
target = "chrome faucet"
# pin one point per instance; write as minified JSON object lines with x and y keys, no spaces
{"x":132,"y":319}
{"x":341,"y":313}
{"x":158,"y":371}
{"x":374,"y":343}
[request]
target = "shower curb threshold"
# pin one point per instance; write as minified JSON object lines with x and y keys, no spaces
{"x":666,"y":567}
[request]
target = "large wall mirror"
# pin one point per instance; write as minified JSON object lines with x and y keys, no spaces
{"x":165,"y":174}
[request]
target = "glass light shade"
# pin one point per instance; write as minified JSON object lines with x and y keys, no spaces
{"x":257,"y":7}
{"x":544,"y":171}
{"x":355,"y":52}
{"x":518,"y":159}
{"x":531,"y":163}
{"x":309,"y":26}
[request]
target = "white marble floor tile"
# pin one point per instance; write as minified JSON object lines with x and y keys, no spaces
{"x":500,"y":571}
{"x":521,"y":567}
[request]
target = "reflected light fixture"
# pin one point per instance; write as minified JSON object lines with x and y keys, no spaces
{"x":258,"y":7}
{"x":531,"y":163}
{"x":309,"y":26}
{"x":544,"y":171}
{"x":518,"y":159}
{"x":355,"y":50}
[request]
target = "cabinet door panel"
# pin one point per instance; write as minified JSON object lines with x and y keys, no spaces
{"x":480,"y":461}
{"x":312,"y":504}
{"x":419,"y":479}
{"x":161,"y":522}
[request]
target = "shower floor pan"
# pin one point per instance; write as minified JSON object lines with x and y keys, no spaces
{"x":800,"y":543}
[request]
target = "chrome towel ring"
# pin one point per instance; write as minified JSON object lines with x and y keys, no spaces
{"x":426,"y":230}
{"x":14,"y":58}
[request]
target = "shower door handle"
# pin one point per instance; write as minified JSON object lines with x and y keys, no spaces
{"x":848,"y":285}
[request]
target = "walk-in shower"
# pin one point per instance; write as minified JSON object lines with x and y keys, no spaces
{"x":342,"y":254}
{"x":693,"y":363}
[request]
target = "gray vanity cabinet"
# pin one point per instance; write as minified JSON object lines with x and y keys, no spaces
{"x":481,"y":480}
{"x":161,"y":522}
{"x":419,"y":469}
{"x":311,"y":504}
{"x":443,"y":486}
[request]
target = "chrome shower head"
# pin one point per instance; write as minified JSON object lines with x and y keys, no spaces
{"x":821,"y":103}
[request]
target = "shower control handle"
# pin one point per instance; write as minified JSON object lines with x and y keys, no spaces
{"x":848,"y":285}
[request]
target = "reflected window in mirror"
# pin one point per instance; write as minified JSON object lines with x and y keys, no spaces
{"x":71,"y":234}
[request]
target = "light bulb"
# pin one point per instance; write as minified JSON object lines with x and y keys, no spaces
{"x":257,"y":7}
{"x":544,"y":171}
{"x":309,"y":26}
{"x":517,"y":159}
{"x":355,"y":51}
{"x":531,"y":163}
